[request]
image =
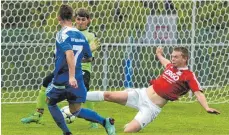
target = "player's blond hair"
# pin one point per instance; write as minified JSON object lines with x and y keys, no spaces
{"x":183,"y":50}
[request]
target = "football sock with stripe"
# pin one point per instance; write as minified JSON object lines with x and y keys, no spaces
{"x":89,"y":115}
{"x":58,"y":117}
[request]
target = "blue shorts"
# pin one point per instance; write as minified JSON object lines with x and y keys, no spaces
{"x":73,"y":95}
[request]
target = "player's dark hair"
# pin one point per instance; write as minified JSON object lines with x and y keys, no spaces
{"x":65,"y":12}
{"x":82,"y":12}
{"x":183,"y":50}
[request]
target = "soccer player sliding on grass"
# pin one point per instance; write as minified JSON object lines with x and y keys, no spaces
{"x":175,"y":81}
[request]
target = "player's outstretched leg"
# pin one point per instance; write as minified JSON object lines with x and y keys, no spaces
{"x":90,"y":115}
{"x":36,"y":116}
{"x":58,"y":117}
{"x":119,"y":97}
{"x":90,"y":105}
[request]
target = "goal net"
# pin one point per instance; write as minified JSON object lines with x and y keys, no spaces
{"x":129,"y":32}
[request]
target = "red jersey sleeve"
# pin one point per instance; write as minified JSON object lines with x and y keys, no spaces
{"x":193,"y":83}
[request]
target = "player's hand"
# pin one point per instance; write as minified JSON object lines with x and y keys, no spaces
{"x":95,"y":44}
{"x":212,"y":111}
{"x":73,"y":82}
{"x":159,"y":51}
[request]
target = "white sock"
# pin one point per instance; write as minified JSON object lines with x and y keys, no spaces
{"x":95,"y":96}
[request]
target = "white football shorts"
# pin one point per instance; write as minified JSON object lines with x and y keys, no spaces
{"x":138,"y":99}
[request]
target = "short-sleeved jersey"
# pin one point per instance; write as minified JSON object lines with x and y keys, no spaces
{"x":90,"y":38}
{"x":175,"y":82}
{"x":69,"y":38}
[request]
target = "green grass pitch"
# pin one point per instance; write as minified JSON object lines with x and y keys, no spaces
{"x":175,"y":119}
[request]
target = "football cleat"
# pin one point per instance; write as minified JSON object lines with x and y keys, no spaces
{"x":67,"y":133}
{"x":109,"y":126}
{"x":36,"y":117}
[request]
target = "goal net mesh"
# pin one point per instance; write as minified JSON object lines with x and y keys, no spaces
{"x":129,"y":32}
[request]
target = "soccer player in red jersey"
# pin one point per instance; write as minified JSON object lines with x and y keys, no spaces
{"x":175,"y":81}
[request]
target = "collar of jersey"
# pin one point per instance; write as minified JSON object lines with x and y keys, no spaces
{"x":67,"y":27}
{"x":84,"y":30}
{"x":183,"y":68}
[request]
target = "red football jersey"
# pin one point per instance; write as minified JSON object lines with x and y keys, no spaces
{"x":175,"y":82}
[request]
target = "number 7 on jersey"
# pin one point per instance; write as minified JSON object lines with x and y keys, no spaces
{"x":78,"y":50}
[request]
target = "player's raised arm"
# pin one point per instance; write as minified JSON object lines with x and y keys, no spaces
{"x":201,"y":98}
{"x":162,"y":59}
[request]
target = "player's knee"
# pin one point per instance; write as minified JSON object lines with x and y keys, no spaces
{"x":127,"y":131}
{"x":75,"y":112}
{"x":74,"y":108}
{"x":131,"y":130}
{"x":107,"y":96}
{"x":125,"y":128}
{"x":132,"y":127}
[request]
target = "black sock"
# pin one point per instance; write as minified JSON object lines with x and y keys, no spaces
{"x":40,"y":110}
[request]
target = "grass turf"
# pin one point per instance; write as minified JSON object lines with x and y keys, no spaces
{"x":175,"y":119}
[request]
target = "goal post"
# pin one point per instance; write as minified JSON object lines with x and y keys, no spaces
{"x":28,"y":31}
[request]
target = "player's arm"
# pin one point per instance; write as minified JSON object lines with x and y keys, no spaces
{"x":71,"y":63}
{"x":67,"y":49}
{"x":195,"y":87}
{"x":71,"y":67}
{"x":202,"y":100}
{"x":87,"y":53}
{"x":162,"y":59}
